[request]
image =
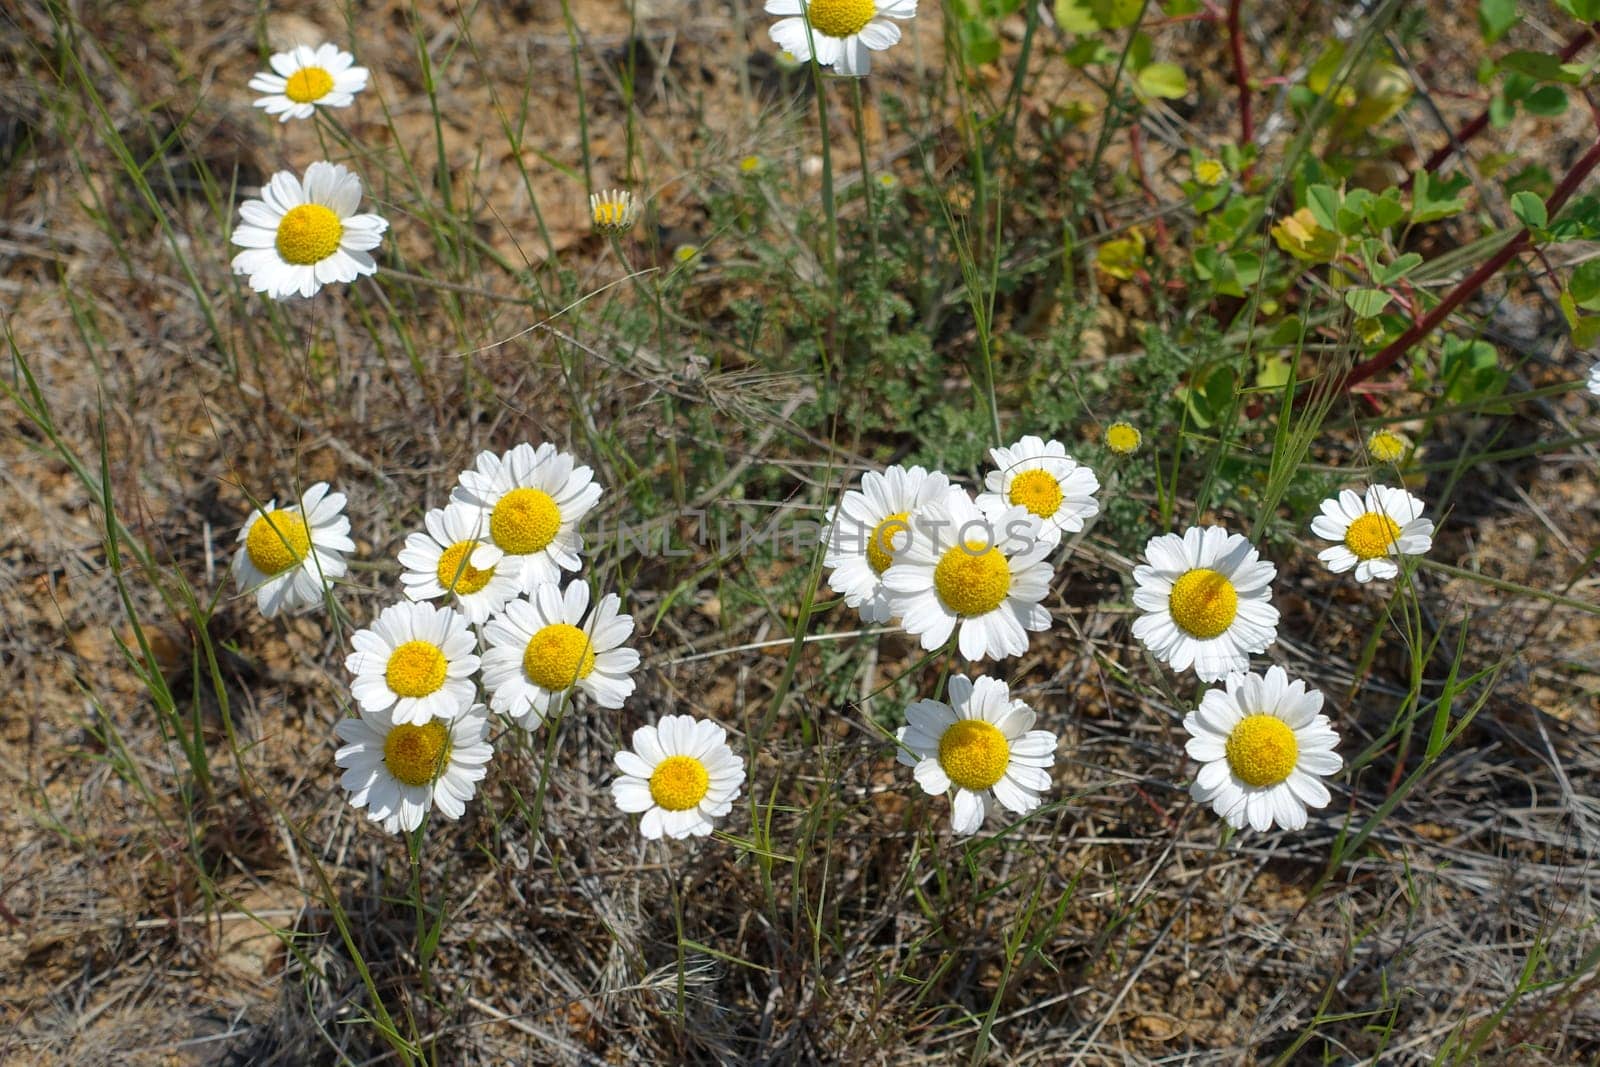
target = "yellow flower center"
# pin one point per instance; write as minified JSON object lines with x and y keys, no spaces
{"x":455,"y":573}
{"x":972,"y":580}
{"x":1262,"y":750}
{"x":278,"y":540}
{"x":558,"y":656}
{"x":610,"y":214}
{"x":1209,"y":172}
{"x":974,"y":754}
{"x":679,"y":783}
{"x":1203,"y":603}
{"x":417,"y":754}
{"x":308,"y":85}
{"x":524,"y":521}
{"x":880,"y":546}
{"x":416,"y":669}
{"x":1386,"y":447}
{"x":1371,"y":535}
{"x":840,"y":18}
{"x":750,"y":164}
{"x":1038,"y":491}
{"x":309,"y":234}
{"x":1123,"y":438}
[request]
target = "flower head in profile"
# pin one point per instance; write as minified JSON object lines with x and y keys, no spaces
{"x":1123,"y":438}
{"x":980,"y":573}
{"x":680,"y":774}
{"x":542,"y":649}
{"x":535,"y":499}
{"x":400,"y":771}
{"x":288,"y":556}
{"x":301,"y":236}
{"x":415,"y":662}
{"x":1263,"y":749}
{"x":1372,"y":531}
{"x":305,"y":78}
{"x":983,"y":745}
{"x":452,"y":557}
{"x":613,"y":211}
{"x":1594,"y":379}
{"x":867,"y":528}
{"x":1207,"y":601}
{"x":1304,"y":238}
{"x":1039,"y":476}
{"x":842,"y":34}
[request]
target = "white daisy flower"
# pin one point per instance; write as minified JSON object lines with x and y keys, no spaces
{"x":1263,"y":746}
{"x":293,"y":553}
{"x":1371,"y":531}
{"x":681,"y":774}
{"x":535,"y":499}
{"x":299,"y":237}
{"x":985,"y":572}
{"x":613,"y":211}
{"x":453,"y":557}
{"x":845,"y":32}
{"x":541,"y":649}
{"x":867,"y":526}
{"x":415,"y":662}
{"x":307,"y":78}
{"x":1040,"y":476}
{"x":1594,"y":379}
{"x":1207,"y":601}
{"x":398,"y":771}
{"x":983,"y":744}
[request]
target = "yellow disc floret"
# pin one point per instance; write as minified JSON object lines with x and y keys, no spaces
{"x":1203,"y":603}
{"x":416,"y":669}
{"x":416,"y":754}
{"x":558,"y":656}
{"x":309,"y":234}
{"x":277,"y":541}
{"x":974,"y":754}
{"x":840,"y":18}
{"x":1123,"y":438}
{"x":880,"y":546}
{"x":1371,"y":535}
{"x":308,"y":85}
{"x":456,"y":574}
{"x":1262,"y":750}
{"x":679,"y":783}
{"x":1386,"y":446}
{"x":1038,"y":491}
{"x":525,"y":521}
{"x":972,"y":580}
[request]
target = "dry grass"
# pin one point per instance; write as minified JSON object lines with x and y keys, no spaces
{"x":146,"y":919}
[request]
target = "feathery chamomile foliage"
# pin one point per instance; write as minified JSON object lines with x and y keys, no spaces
{"x":832,"y":530}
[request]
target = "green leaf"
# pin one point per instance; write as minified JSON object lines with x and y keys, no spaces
{"x":1366,"y":303}
{"x":1402,"y":266}
{"x":1587,"y":10}
{"x":1164,"y":80}
{"x":1323,"y":200}
{"x":1076,"y":16}
{"x":1495,"y":17}
{"x":1530,"y":210}
{"x":1546,"y":101}
{"x":1386,"y":210}
{"x":1584,"y":285}
{"x":1434,"y":198}
{"x":1541,"y":66}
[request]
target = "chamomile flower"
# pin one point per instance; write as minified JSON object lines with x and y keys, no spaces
{"x":535,"y":499}
{"x":301,"y":236}
{"x":1387,"y":447}
{"x":983,"y":744}
{"x":305,"y":78}
{"x":289,"y":555}
{"x":1207,"y":601}
{"x":453,"y":557}
{"x":399,"y":771}
{"x":984,"y":572}
{"x":542,"y":649}
{"x":414,"y":662}
{"x":843,"y":33}
{"x":1040,"y":476}
{"x":613,"y":211}
{"x":1123,"y":438}
{"x":865,"y":529}
{"x":1372,"y":530}
{"x":1263,"y":747}
{"x":752,"y":165}
{"x":1594,"y":379}
{"x":681,"y":774}
{"x":1208,"y":172}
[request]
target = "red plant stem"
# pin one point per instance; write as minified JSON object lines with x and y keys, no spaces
{"x":1480,"y":122}
{"x":1472,"y":282}
{"x":1241,"y":77}
{"x":1136,"y":149}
